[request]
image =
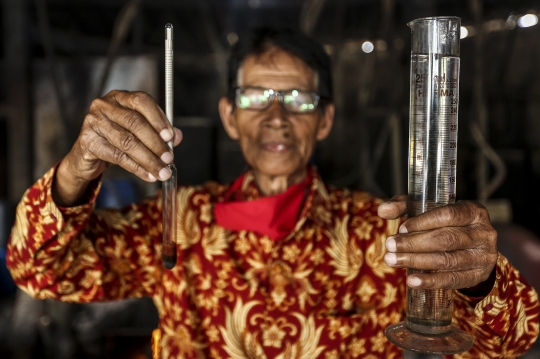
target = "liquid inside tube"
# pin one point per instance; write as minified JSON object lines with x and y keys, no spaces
{"x":429,"y":311}
{"x":169,"y":219}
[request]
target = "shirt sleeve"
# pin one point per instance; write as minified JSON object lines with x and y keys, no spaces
{"x":504,"y":324}
{"x":80,"y":254}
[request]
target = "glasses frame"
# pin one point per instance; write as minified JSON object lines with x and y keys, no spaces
{"x":272,"y":97}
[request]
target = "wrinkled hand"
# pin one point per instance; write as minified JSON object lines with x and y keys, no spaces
{"x":123,"y":128}
{"x":127,"y":129}
{"x":456,"y":241}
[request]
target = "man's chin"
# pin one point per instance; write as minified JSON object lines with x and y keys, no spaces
{"x":281,"y":170}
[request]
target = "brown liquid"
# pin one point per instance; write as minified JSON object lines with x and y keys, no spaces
{"x":169,"y":261}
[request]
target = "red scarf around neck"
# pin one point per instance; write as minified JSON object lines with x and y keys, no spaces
{"x":274,"y":216}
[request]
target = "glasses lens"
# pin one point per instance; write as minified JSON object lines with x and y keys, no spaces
{"x":252,"y":98}
{"x":300,"y":101}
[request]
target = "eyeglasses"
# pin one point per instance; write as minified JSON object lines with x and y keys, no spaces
{"x":293,"y":101}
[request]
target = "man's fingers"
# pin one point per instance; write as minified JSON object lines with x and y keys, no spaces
{"x":441,"y":261}
{"x":101,"y":148}
{"x":134,"y":121}
{"x":436,"y":240}
{"x":461,"y":214}
{"x":128,"y":129}
{"x":136,"y":126}
{"x":178,"y":136}
{"x":127,"y":145}
{"x":147,"y":107}
{"x":394,"y":208}
{"x":454,"y":245}
{"x":447,"y":280}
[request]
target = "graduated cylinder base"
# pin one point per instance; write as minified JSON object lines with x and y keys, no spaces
{"x":453,"y":341}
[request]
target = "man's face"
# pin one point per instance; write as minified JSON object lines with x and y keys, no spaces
{"x":275,"y":142}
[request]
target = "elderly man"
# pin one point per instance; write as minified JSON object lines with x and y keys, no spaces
{"x":276,"y":264}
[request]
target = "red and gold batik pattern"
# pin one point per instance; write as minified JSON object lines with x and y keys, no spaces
{"x":322,"y":292}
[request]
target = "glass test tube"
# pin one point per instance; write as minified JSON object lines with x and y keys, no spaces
{"x":169,"y":211}
{"x":434,"y":95}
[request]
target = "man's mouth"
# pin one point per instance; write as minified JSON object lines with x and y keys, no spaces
{"x":276,"y":146}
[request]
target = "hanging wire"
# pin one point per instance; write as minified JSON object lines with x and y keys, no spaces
{"x":54,"y":71}
{"x":493,"y":157}
{"x":220,"y":53}
{"x":479,"y":127}
{"x":390,"y":132}
{"x":309,"y":15}
{"x":121,"y":27}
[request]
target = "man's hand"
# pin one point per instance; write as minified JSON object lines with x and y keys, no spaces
{"x":457,"y":241}
{"x":123,"y":128}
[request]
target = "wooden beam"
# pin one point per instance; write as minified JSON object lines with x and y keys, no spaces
{"x":16,"y":83}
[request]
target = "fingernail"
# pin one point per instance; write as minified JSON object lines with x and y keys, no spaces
{"x":166,"y":135}
{"x":152,"y":178}
{"x":390,"y":259}
{"x":391,"y":244}
{"x":167,"y":157}
{"x":177,"y":134}
{"x":414,"y":282}
{"x":165,"y":174}
{"x":403,"y":229}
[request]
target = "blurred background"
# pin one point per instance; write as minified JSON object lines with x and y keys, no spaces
{"x":57,"y":55}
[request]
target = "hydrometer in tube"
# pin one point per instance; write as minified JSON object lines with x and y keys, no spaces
{"x":433,"y":124}
{"x":169,"y":186}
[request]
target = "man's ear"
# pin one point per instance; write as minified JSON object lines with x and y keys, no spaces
{"x":325,"y":122}
{"x":228,"y":118}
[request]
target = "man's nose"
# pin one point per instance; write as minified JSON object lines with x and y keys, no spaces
{"x":277,"y":116}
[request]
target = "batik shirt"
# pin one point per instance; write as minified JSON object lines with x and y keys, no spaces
{"x":324,"y":291}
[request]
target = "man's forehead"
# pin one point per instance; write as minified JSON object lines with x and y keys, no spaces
{"x":276,"y":63}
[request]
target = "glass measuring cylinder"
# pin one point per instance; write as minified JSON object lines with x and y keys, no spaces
{"x":433,"y":124}
{"x":432,"y":168}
